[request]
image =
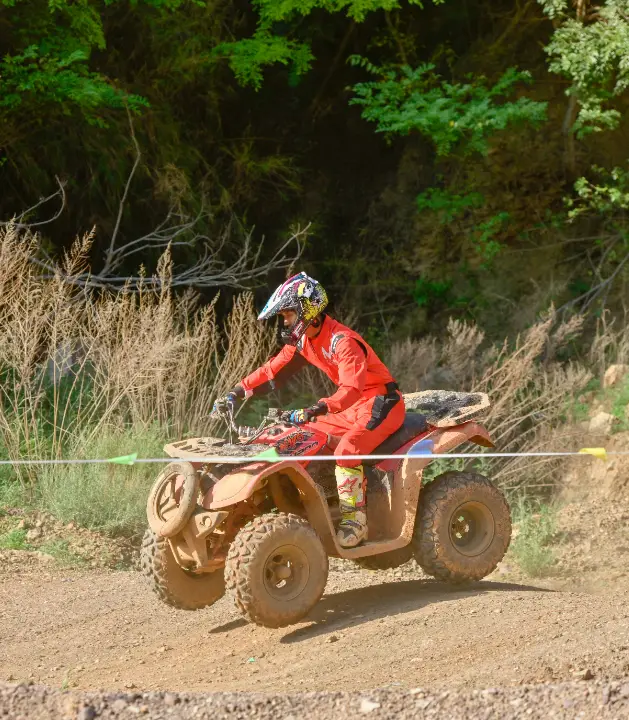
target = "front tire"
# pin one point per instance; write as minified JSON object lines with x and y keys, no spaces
{"x":174,"y":585}
{"x":276,"y":570}
{"x":463,"y":529}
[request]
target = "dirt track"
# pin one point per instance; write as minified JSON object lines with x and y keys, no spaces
{"x":396,"y":631}
{"x":106,"y":630}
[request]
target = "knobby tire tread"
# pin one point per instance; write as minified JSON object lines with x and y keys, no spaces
{"x":238,"y":568}
{"x":428,"y":551}
{"x":155,"y":559}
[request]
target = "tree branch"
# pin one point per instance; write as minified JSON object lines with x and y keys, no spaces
{"x":17,"y":221}
{"x":138,"y":156}
{"x":207,"y":272}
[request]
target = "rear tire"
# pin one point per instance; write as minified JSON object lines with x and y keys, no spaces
{"x":276,"y":570}
{"x":463,"y":528}
{"x":174,"y":585}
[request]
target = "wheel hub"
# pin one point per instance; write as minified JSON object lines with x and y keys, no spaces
{"x":472,"y":528}
{"x":461,"y":526}
{"x":286,"y":572}
{"x":169,"y":497}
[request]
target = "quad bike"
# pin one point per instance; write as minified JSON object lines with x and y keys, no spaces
{"x":265,"y":530}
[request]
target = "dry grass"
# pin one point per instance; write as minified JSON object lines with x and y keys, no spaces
{"x":610,"y":344}
{"x":530,"y":388}
{"x":78,"y":366}
{"x":79,"y":363}
{"x":413,"y":362}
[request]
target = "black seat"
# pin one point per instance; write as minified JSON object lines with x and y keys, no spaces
{"x":414,"y":425}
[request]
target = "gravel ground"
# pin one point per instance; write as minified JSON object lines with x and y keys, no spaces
{"x":583,"y":700}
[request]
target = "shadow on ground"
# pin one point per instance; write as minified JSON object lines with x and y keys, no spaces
{"x":350,"y":608}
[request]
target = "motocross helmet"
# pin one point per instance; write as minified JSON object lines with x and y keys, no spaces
{"x":302,"y":294}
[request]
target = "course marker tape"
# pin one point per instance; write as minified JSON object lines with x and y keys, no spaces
{"x":125,"y":459}
{"x":271,"y":456}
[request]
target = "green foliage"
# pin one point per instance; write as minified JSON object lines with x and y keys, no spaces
{"x":438,"y":467}
{"x":276,"y":10}
{"x":427,"y":291}
{"x":13,"y":540}
{"x":67,"y":70}
{"x":248,"y":58}
{"x":607,"y":196}
{"x":60,"y":550}
{"x":454,"y":117}
{"x":49,"y":61}
{"x":578,"y":410}
{"x":619,"y":405}
{"x":376,"y":337}
{"x":46,"y":77}
{"x":446,"y":205}
{"x":536,"y":524}
{"x":615,"y":399}
{"x":106,"y":498}
{"x":11,"y":493}
{"x":591,"y":52}
{"x":485,"y":236}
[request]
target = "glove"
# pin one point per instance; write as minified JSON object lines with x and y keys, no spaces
{"x":224,"y":404}
{"x":229,"y":402}
{"x":305,"y":415}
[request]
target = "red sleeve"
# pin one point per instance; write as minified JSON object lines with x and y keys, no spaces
{"x":269,"y":370}
{"x":352,"y":364}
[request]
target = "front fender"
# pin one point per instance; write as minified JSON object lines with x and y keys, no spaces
{"x":240,"y":486}
{"x":236,"y":487}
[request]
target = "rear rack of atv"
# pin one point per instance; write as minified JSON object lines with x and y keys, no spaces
{"x":444,"y":408}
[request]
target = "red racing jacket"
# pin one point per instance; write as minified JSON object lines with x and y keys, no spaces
{"x":340,"y":353}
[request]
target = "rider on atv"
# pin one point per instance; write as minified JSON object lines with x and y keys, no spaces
{"x":365,"y":410}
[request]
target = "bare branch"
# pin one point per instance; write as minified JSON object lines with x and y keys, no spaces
{"x":586,"y":299}
{"x":175,"y":230}
{"x":207,"y":272}
{"x":138,"y":156}
{"x":17,"y":221}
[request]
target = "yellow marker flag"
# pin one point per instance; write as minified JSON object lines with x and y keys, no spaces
{"x":599,"y":453}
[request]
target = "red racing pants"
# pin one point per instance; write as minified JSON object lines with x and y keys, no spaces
{"x":364,"y":425}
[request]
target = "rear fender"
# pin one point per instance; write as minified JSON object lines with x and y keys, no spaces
{"x":444,"y":440}
{"x":447,"y":439}
{"x":408,"y":482}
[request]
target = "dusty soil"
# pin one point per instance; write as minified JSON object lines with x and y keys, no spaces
{"x":103,"y":629}
{"x":85,"y":629}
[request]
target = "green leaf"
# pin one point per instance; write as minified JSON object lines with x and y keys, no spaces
{"x":455,"y":117}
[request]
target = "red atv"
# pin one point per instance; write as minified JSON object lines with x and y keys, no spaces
{"x":265,"y":529}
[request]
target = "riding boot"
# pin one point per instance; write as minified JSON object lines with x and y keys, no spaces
{"x":350,"y":483}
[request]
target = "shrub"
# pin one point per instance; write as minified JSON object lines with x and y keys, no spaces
{"x":536,"y":524}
